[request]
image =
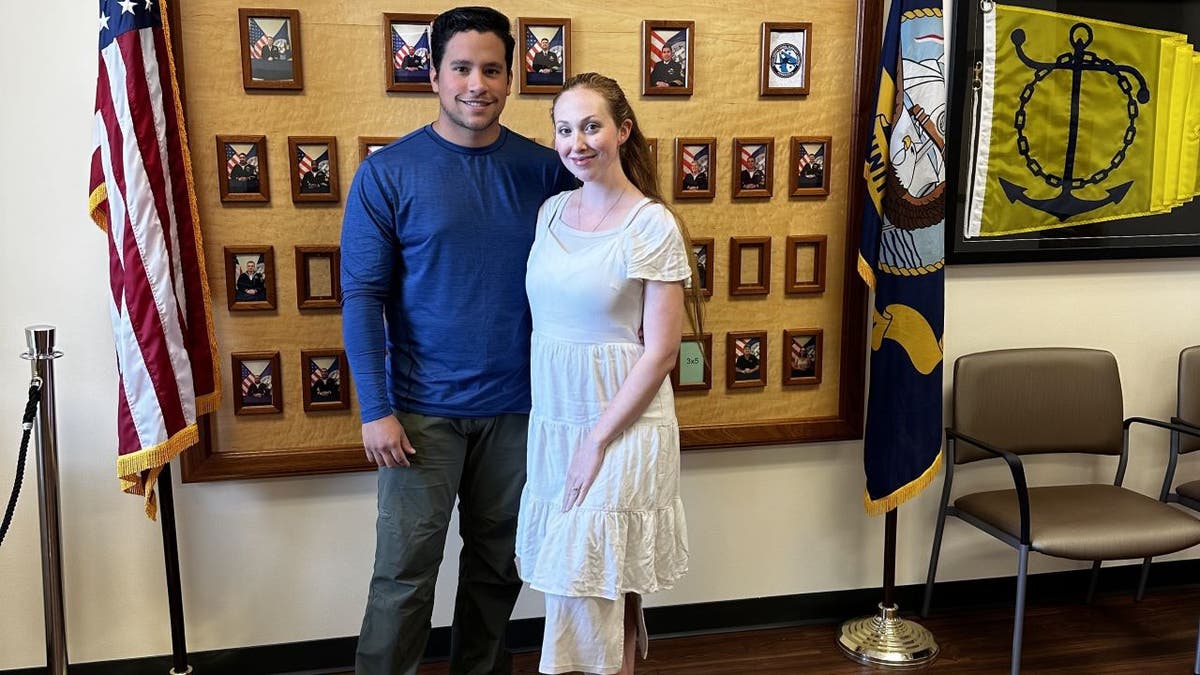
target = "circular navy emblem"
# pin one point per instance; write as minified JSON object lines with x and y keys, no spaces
{"x":785,"y":60}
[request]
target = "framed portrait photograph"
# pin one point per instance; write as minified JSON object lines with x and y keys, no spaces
{"x":543,"y":54}
{"x":808,"y":170}
{"x":804,"y":271}
{"x":270,"y":48}
{"x":667,"y":55}
{"x":242,"y":169}
{"x":695,"y":168}
{"x":314,"y":168}
{"x":257,"y":389}
{"x":749,"y":265}
{"x":702,"y":249}
{"x":753,"y":167}
{"x":693,"y":370}
{"x":803,"y":352}
{"x":786,"y":65}
{"x":406,"y":54}
{"x":318,"y":277}
{"x":250,"y":277}
{"x":746,"y":359}
{"x":326,"y":379}
{"x":369,"y":144}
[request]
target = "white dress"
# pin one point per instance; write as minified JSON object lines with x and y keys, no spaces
{"x":586,"y":295}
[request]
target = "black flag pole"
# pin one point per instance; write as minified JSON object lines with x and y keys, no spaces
{"x":884,"y":639}
{"x":179,"y":657}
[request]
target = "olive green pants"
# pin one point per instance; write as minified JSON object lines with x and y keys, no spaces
{"x":482,"y":463}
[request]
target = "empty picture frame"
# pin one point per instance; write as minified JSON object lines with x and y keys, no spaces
{"x":668,"y":57}
{"x":257,"y":389}
{"x":808,"y":170}
{"x":749,"y":265}
{"x":314,"y":168}
{"x":803,"y":352}
{"x":250,"y":277}
{"x":753,"y":167}
{"x":695,"y":168}
{"x":702,"y":249}
{"x":746,"y":359}
{"x":804,"y":270}
{"x":543,"y":54}
{"x":369,"y":144}
{"x":786,"y":65}
{"x":270,"y":49}
{"x":693,"y":368}
{"x":326,"y":377}
{"x":318,"y":277}
{"x":242,"y":169}
{"x":406,"y":53}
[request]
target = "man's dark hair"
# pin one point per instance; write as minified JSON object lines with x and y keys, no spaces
{"x":478,"y":19}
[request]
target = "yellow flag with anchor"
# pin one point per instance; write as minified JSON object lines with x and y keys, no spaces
{"x":1080,"y":120}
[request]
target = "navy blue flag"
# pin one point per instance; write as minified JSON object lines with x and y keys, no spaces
{"x":902,"y":257}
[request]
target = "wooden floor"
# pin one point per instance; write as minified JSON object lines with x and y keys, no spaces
{"x":1114,"y":635}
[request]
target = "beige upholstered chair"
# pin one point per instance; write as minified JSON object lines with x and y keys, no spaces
{"x":1018,"y":402}
{"x":1187,"y":413}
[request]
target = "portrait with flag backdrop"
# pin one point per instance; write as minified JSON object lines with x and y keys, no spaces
{"x":314,"y":168}
{"x":142,"y":196}
{"x":809,"y":168}
{"x":408,"y":57}
{"x":667,"y":49}
{"x":901,"y":257}
{"x":242,"y":169}
{"x":328,"y":383}
{"x":270,"y":49}
{"x":753,"y":173}
{"x":543,"y":54}
{"x":258,"y":376}
{"x":695,"y":168}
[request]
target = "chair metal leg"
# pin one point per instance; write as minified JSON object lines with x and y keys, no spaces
{"x":1019,"y":618}
{"x":1091,"y":592}
{"x":1141,"y":588}
{"x":933,"y":561}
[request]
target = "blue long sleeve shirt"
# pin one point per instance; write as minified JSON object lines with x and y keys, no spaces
{"x":434,"y":244}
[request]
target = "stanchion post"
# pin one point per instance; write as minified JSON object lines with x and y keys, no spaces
{"x":41,"y":355}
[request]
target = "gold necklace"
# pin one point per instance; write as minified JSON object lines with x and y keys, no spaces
{"x":579,"y":210}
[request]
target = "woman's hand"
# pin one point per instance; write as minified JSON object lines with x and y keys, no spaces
{"x":585,"y":465}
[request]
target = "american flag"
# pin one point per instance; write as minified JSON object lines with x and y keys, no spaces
{"x":258,"y":37}
{"x":692,"y":154}
{"x":677,"y":40}
{"x":740,"y":345}
{"x":141,"y":196}
{"x":533,"y":47}
{"x":306,"y":161}
{"x":400,"y":49}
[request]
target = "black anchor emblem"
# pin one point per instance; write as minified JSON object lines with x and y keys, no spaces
{"x":1065,"y":204}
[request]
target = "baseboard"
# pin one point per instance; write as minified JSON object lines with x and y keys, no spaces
{"x":337,"y":654}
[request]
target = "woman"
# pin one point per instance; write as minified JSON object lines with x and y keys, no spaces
{"x":601,"y":521}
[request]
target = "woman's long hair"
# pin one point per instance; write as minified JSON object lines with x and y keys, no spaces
{"x":638,"y":165}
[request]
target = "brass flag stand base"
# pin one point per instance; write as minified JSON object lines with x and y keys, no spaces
{"x":885,"y":640}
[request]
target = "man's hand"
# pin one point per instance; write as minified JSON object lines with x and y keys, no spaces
{"x":386,"y":443}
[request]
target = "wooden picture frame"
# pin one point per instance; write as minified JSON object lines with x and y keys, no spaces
{"x":259,"y":280}
{"x":746,"y":359}
{"x":786,"y":66}
{"x":325,"y":378}
{"x":761,"y":285}
{"x":695,"y":168}
{"x":270,"y":49}
{"x":652,"y":143}
{"x":543,"y":54}
{"x":810,"y":155}
{"x":242,"y":175}
{"x":695,"y":352}
{"x":318,"y":286}
{"x":256,"y":383}
{"x":668,"y":80}
{"x":813,"y":282}
{"x":309,"y":182}
{"x":369,"y":144}
{"x":803,"y":352}
{"x":706,"y":261}
{"x":753,"y":167}
{"x":407,"y":57}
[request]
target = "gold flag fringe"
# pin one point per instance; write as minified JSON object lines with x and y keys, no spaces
{"x":151,"y":460}
{"x":878,"y":507}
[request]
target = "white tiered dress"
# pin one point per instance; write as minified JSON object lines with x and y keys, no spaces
{"x":629,"y":535}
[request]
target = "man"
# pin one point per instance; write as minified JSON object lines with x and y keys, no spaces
{"x":757,"y":179}
{"x":243,"y":177}
{"x":437,"y":230}
{"x":546,"y":61}
{"x":325,"y":389}
{"x":250,"y":285}
{"x":699,"y":179}
{"x":667,"y":72}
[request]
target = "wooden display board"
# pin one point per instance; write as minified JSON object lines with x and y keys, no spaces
{"x":345,"y":103}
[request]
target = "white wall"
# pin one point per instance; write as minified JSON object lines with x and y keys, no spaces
{"x":288,"y":559}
